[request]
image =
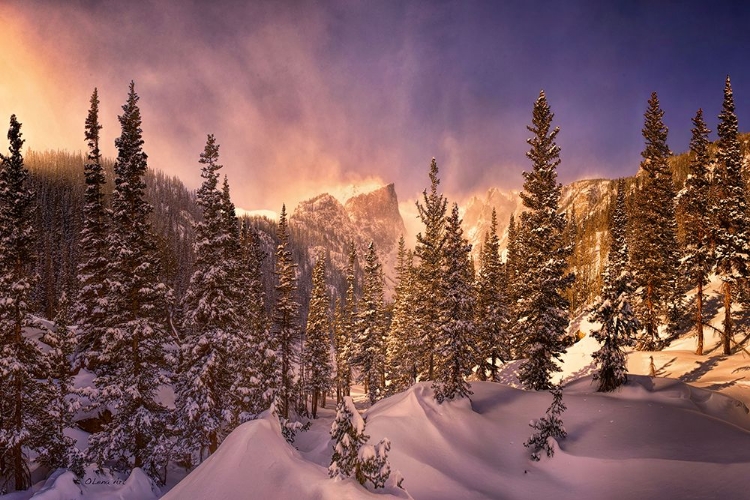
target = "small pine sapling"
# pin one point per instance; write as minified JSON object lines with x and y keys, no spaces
{"x":373,"y":464}
{"x":351,"y":455}
{"x":549,"y":428}
{"x":348,"y":435}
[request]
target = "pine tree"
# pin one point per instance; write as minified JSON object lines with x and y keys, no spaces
{"x":454,"y":358}
{"x":91,"y":304}
{"x":697,"y":224}
{"x":368,"y":347}
{"x":212,"y":318}
{"x":654,"y":253}
{"x":62,"y":401}
{"x":542,"y":309}
{"x":345,"y":330}
{"x":402,"y":369}
{"x":285,"y":330}
{"x":549,"y":428}
{"x":427,"y":290}
{"x":731,"y":212}
{"x":348,"y":436}
{"x":23,"y":417}
{"x":618,"y":323}
{"x":317,"y":348}
{"x":493,"y":339}
{"x":255,"y":363}
{"x":133,"y":363}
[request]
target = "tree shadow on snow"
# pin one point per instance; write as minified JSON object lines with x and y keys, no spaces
{"x":702,"y":368}
{"x":583,"y":372}
{"x":723,"y":385}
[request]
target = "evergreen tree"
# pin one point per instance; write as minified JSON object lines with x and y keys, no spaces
{"x":542,"y":309}
{"x":317,"y":349}
{"x":429,"y":251}
{"x":731,"y":212}
{"x":654,"y":254}
{"x":402,"y":369}
{"x":345,"y":330}
{"x":285,"y":330}
{"x":549,"y":428}
{"x":697,"y":224}
{"x":91,"y":303}
{"x":133,"y":363}
{"x":493,"y":342}
{"x":255,"y":361}
{"x":454,"y":358}
{"x":212,"y":318}
{"x":23,"y":416}
{"x":348,"y":436}
{"x":369,"y":345}
{"x":62,"y":401}
{"x":612,"y":310}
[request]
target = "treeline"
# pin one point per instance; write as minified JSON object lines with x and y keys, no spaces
{"x":171,"y":289}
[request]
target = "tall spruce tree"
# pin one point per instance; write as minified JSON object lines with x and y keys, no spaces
{"x":346,"y":328}
{"x":255,"y":361}
{"x":62,"y":401}
{"x":368,"y":347}
{"x":654,"y":253}
{"x":491,"y":313}
{"x":91,"y":306}
{"x":429,"y":251}
{"x":542,"y":308}
{"x":212,"y":319}
{"x":401,"y":366}
{"x":454,"y":356}
{"x":612,"y":310}
{"x":317,"y":348}
{"x":133,"y":362}
{"x":285,"y":329}
{"x":697,"y":256}
{"x":732,"y":240}
{"x":23,"y":415}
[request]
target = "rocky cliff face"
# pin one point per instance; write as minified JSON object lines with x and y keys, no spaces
{"x":323,"y":225}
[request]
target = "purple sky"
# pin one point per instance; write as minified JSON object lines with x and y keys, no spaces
{"x":307,"y":96}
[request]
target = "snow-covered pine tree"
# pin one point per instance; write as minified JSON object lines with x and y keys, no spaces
{"x":62,"y":401}
{"x":491,"y":312}
{"x":697,"y":257}
{"x":454,"y":354}
{"x":345,"y":330}
{"x":317,"y":349}
{"x":427,"y":284}
{"x":90,"y":304}
{"x":618,"y":323}
{"x":374,"y":466}
{"x":549,"y":428}
{"x":732,"y":239}
{"x":654,"y":252}
{"x":255,"y":363}
{"x":368,"y":347}
{"x":542,"y":309}
{"x":211,"y":320}
{"x":23,"y":416}
{"x":285,"y":329}
{"x":401,"y":366}
{"x":133,"y":362}
{"x":348,"y":436}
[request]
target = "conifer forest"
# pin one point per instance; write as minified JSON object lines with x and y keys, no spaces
{"x":162,"y":335}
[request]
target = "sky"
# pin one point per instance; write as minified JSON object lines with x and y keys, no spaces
{"x":306,"y":97}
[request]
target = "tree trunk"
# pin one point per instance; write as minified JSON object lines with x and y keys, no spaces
{"x":213,"y":443}
{"x":727,"y":317}
{"x":699,"y":318}
{"x":314,"y":404}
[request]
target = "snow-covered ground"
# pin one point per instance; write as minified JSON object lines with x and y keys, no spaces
{"x":682,"y":434}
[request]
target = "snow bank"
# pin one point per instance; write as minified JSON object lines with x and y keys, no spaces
{"x":254,"y":461}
